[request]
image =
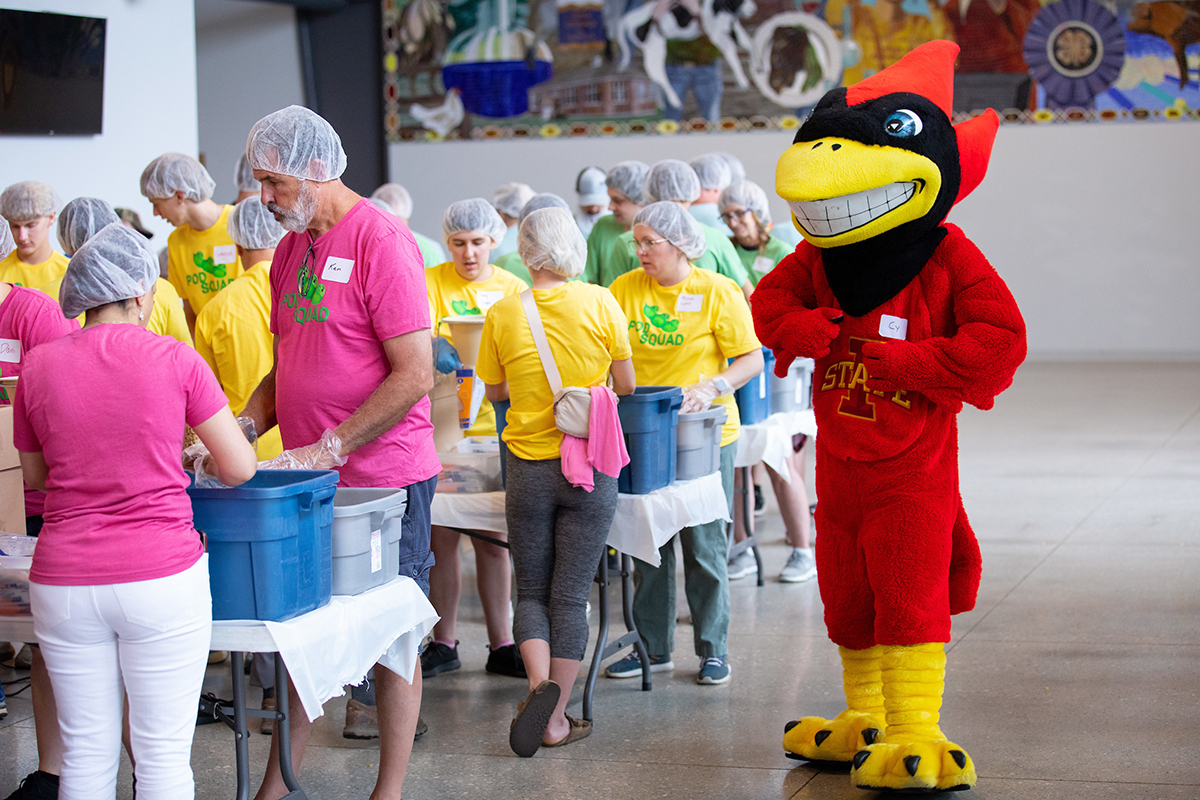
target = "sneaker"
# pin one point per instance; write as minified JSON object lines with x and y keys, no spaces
{"x":713,"y":671}
{"x":438,"y":658}
{"x":506,"y":660}
{"x":631,"y":666}
{"x":6,"y":651}
{"x":760,"y":505}
{"x":37,"y":786}
{"x":743,"y":565}
{"x":801,"y":566}
{"x":217,"y":656}
{"x":268,"y":725}
{"x":24,"y":659}
{"x":361,"y":721}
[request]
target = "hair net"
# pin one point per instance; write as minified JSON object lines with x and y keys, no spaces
{"x":544,"y":200}
{"x":736,"y":168}
{"x":382,"y":206}
{"x":27,"y":200}
{"x":511,"y":198}
{"x":550,"y":239}
{"x":672,"y":179}
{"x":398,"y":199}
{"x":7,"y":245}
{"x":590,"y":186}
{"x":252,"y":226}
{"x":243,"y":176}
{"x":674,"y":223}
{"x":713,"y":171}
{"x":298,"y":142}
{"x":81,"y":219}
{"x":175,"y":172}
{"x":115,"y":264}
{"x":628,"y":177}
{"x":475,"y":214}
{"x":750,"y":195}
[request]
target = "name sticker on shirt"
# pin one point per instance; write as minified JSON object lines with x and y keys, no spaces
{"x":225,"y":254}
{"x":10,"y":351}
{"x":337,"y":269}
{"x":762,"y":265}
{"x":689,"y":302}
{"x":893,"y":327}
{"x":486,"y":300}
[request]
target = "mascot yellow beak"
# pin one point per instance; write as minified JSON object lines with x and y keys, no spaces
{"x":842,"y":191}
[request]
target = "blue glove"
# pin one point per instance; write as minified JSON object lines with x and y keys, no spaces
{"x":446,"y":358}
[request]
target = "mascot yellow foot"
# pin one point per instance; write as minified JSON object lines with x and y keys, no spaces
{"x":913,"y":754}
{"x":840,"y":738}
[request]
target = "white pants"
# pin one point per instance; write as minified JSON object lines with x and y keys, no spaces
{"x":148,"y":639}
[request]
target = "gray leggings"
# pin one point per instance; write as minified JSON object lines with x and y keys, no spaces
{"x":556,"y":533}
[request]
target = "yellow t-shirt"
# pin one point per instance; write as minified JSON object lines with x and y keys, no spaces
{"x":586,"y":331}
{"x":201,"y":263}
{"x":682,"y":332}
{"x":233,"y":334}
{"x":167,"y":317}
{"x":33,"y":276}
{"x":451,"y":295}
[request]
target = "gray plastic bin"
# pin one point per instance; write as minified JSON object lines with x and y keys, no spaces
{"x":366,"y":536}
{"x":698,"y":443}
{"x":793,"y":393}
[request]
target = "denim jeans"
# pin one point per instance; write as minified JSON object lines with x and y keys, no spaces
{"x":705,"y":82}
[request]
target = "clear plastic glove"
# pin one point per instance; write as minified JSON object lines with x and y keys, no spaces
{"x":446,"y":357}
{"x":699,"y":396}
{"x":247,"y":426}
{"x":321,"y":454}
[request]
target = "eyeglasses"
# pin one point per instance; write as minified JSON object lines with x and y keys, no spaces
{"x":638,"y":245}
{"x":729,"y":215}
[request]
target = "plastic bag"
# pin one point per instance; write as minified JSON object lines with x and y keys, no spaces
{"x":321,"y":454}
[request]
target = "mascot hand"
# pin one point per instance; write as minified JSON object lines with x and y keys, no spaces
{"x":887,"y":363}
{"x":807,"y":332}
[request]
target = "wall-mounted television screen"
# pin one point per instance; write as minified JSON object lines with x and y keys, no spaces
{"x":51,"y":73}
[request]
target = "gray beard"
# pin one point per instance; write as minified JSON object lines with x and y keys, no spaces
{"x":297,"y":218}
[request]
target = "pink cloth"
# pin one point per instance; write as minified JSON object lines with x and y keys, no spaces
{"x":106,"y":407}
{"x":29,"y":318}
{"x":362,"y":282}
{"x":604,"y":449}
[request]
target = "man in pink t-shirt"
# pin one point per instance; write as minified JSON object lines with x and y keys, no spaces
{"x":353,"y":368}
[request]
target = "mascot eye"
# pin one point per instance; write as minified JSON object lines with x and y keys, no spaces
{"x":903,"y":123}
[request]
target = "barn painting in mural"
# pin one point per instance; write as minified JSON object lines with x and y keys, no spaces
{"x":550,"y":68}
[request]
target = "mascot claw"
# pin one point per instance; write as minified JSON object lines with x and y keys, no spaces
{"x":915,"y":766}
{"x":837,"y":739}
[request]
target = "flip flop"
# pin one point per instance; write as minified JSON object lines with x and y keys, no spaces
{"x":526,"y":732}
{"x":580,"y":729}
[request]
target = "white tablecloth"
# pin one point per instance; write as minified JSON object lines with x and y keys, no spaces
{"x":770,"y":441}
{"x":642,"y":524}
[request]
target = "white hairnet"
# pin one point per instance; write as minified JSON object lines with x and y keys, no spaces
{"x":672,"y":179}
{"x":674,"y":223}
{"x":299,"y":142}
{"x":550,"y":239}
{"x":628,"y":177}
{"x":713,"y":171}
{"x":252,"y":226}
{"x":736,"y":168}
{"x":7,"y":245}
{"x":81,"y":219}
{"x":243,"y":176}
{"x":115,"y":264}
{"x":397,"y":197}
{"x":475,"y":214}
{"x":27,"y":200}
{"x":511,"y":198}
{"x":176,"y":172}
{"x":591,"y":188}
{"x":382,"y":206}
{"x":750,"y":195}
{"x":544,"y":200}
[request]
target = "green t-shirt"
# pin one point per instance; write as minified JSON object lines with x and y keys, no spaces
{"x":609,"y":253}
{"x":431,"y":251}
{"x":512,"y":263}
{"x":720,"y":257}
{"x":774,"y":251}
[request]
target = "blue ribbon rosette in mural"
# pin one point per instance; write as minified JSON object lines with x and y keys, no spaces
{"x":1074,"y":49}
{"x":493,"y":66}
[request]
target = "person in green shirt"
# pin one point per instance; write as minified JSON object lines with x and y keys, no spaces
{"x":675,"y":180}
{"x":745,"y":210}
{"x":609,"y":245}
{"x":512,"y":262}
{"x":396,"y":200}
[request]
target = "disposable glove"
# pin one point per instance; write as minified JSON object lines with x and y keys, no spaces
{"x":447,"y":357}
{"x":321,"y":454}
{"x":699,"y":396}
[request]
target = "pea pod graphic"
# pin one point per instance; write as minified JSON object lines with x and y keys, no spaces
{"x":671,"y":326}
{"x":463,"y":308}
{"x":208,"y":265}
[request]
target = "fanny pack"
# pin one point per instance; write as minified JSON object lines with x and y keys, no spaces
{"x":572,"y":404}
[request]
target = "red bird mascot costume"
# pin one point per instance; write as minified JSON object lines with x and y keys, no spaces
{"x":907,"y":321}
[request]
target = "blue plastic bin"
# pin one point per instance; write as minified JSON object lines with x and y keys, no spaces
{"x":501,"y":409}
{"x":648,"y":418}
{"x":270,"y":543}
{"x":754,"y":399}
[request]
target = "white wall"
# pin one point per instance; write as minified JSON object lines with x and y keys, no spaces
{"x":247,"y":65}
{"x":1094,"y":227}
{"x":149,"y":107}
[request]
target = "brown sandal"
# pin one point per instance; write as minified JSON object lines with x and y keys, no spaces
{"x":526,"y":731}
{"x":580,"y":729}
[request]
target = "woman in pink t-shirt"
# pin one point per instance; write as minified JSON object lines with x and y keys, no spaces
{"x":119,"y":584}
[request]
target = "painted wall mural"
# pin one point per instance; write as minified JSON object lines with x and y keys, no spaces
{"x":485,"y":69}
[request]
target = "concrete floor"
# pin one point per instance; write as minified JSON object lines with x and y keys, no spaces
{"x":1075,"y":676}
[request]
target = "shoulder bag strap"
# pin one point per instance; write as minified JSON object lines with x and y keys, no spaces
{"x":539,"y":340}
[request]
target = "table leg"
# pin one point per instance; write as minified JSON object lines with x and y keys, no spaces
{"x":283,"y":734}
{"x":604,"y":648}
{"x":627,"y":611}
{"x":240,"y":736}
{"x":745,"y":506}
{"x":601,"y":649}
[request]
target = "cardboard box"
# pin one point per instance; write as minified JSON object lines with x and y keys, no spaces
{"x":8,"y":451}
{"x":12,"y":501}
